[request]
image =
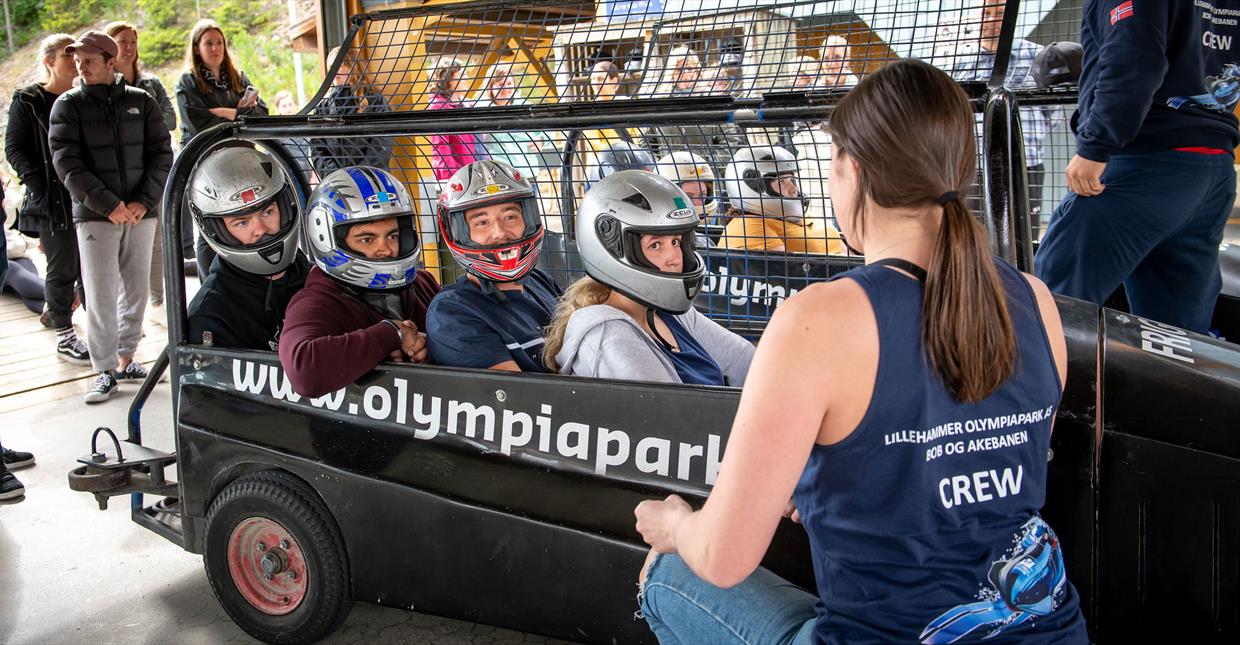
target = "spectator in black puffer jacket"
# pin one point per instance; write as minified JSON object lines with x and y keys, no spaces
{"x":129,"y":67}
{"x":210,"y":92}
{"x":45,"y":210}
{"x":112,"y":150}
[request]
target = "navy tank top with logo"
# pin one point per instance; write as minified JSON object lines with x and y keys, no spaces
{"x":924,"y":521}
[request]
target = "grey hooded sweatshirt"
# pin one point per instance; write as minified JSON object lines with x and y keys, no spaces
{"x":604,"y":342}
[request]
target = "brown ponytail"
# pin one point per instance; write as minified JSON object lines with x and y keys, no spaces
{"x":965,"y":325}
{"x":910,"y":129}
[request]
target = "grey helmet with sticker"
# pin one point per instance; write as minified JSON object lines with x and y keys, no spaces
{"x":485,"y":183}
{"x":610,"y":222}
{"x":237,"y":181}
{"x":621,"y":155}
{"x":681,"y":167}
{"x":748,"y":181}
{"x":357,"y":195}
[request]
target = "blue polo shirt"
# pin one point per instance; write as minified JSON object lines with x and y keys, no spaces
{"x":466,"y":327}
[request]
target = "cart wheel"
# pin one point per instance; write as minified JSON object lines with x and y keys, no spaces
{"x":275,"y":559}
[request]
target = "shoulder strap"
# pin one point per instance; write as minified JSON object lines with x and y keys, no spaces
{"x":903,"y":265}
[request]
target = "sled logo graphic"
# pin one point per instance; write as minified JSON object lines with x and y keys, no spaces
{"x":1222,"y":92}
{"x":1028,"y":582}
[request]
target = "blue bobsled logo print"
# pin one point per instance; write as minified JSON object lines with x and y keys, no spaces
{"x":1224,"y":91}
{"x":1028,"y":582}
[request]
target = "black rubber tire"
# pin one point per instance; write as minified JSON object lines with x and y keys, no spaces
{"x":288,"y":500}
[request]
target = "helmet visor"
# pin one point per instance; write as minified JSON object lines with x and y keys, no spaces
{"x":494,"y":226}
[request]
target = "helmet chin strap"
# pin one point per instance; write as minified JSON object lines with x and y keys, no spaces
{"x":488,"y":288}
{"x":655,"y":330}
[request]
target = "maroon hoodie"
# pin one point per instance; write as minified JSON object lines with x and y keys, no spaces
{"x":331,"y":338}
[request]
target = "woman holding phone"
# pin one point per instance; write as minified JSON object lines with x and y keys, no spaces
{"x":210,"y":91}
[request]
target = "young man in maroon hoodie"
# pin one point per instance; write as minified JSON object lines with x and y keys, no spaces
{"x":365,"y":299}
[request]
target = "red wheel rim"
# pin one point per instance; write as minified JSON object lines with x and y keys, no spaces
{"x":267,"y":566}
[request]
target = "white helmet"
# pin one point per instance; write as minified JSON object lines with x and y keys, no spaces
{"x":683,"y":166}
{"x":236,"y":181}
{"x":610,"y":222}
{"x":748,"y":180}
{"x":483,"y":183}
{"x":356,"y":195}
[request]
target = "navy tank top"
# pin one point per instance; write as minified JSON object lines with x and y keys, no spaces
{"x":924,"y":521}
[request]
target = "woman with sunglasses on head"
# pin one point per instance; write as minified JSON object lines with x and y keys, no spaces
{"x":211,"y":91}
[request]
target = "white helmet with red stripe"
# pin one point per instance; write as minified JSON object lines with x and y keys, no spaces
{"x":238,"y":181}
{"x":487,"y":183}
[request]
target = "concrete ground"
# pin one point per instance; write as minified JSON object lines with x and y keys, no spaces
{"x":72,"y":574}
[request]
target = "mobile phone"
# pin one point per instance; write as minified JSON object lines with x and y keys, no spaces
{"x":249,"y":93}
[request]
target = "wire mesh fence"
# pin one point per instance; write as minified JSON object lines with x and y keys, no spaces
{"x":516,"y":81}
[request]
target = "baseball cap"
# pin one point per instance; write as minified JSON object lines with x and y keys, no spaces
{"x":1058,"y":64}
{"x":93,"y":42}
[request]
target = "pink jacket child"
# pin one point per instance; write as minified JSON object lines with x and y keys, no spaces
{"x":449,"y":152}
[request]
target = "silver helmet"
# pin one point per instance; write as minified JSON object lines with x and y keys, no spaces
{"x":610,"y":222}
{"x":681,"y":167}
{"x":237,"y":181}
{"x":357,"y":195}
{"x":486,"y":183}
{"x":621,"y":155}
{"x":749,"y":180}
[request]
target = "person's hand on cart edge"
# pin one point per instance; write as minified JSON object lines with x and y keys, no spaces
{"x":657,"y":521}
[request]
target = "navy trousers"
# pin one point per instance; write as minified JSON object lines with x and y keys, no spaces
{"x":1156,"y":229}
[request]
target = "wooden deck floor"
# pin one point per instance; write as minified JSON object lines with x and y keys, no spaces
{"x":31,"y":373}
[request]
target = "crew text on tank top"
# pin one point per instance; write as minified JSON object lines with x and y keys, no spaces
{"x":924,"y":521}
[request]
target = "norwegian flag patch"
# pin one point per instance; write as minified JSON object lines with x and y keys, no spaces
{"x":1122,"y":11}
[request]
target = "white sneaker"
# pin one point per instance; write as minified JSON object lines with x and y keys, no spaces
{"x":156,"y":314}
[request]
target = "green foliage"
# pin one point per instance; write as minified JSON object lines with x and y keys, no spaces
{"x":68,"y":15}
{"x":165,"y":32}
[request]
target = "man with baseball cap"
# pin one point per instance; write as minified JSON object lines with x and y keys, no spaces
{"x":111,"y":150}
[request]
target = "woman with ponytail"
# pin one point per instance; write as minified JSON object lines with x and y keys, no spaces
{"x":905,"y":409}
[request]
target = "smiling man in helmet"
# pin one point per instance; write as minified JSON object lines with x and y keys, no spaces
{"x":494,"y":316}
{"x":768,"y":208}
{"x":365,"y":300}
{"x":249,"y":214}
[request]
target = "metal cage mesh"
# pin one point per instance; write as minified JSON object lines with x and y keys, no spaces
{"x":566,"y":91}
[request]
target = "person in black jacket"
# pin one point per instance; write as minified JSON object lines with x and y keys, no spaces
{"x":45,"y":210}
{"x":129,"y":67}
{"x":349,"y":94}
{"x":211,"y":91}
{"x":248,"y":211}
{"x":112,"y":150}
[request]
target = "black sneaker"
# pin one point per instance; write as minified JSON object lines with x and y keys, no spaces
{"x":102,"y":389}
{"x":71,"y":349}
{"x":132,"y":372}
{"x":14,"y":460}
{"x":10,"y":487}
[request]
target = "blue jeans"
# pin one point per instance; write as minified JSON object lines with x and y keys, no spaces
{"x":1155,"y":229}
{"x":683,"y":609}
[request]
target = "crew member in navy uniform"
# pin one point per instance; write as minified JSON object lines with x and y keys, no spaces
{"x":494,"y":316}
{"x":918,"y":470}
{"x":248,"y":213}
{"x":1152,"y":182}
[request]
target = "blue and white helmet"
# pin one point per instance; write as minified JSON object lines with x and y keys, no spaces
{"x":352,"y":196}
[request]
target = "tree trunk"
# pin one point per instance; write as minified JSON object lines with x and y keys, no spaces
{"x":8,"y":25}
